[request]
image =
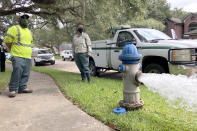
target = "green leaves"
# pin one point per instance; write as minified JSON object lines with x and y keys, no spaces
{"x":98,"y":16}
{"x":148,"y":23}
{"x":157,"y":9}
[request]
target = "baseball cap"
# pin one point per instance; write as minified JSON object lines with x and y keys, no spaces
{"x":23,"y":15}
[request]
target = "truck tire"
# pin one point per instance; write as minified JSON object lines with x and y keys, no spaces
{"x":70,"y":58}
{"x":93,"y":69}
{"x":35,"y":63}
{"x":154,"y":68}
{"x":63,"y":59}
{"x":53,"y":62}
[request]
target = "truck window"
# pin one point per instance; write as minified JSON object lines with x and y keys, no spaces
{"x":142,"y":38}
{"x":43,"y":51}
{"x":124,"y":37}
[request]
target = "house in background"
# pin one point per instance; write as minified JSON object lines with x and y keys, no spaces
{"x":65,"y":46}
{"x":192,"y":34}
{"x":183,"y":27}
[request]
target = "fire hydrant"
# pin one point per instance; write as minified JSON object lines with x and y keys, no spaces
{"x":131,"y":70}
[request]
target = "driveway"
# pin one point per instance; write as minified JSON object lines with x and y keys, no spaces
{"x":70,"y":66}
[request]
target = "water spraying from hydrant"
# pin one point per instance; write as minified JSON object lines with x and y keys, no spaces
{"x":174,"y":88}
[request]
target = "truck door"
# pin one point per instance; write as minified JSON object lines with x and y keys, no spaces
{"x":116,"y":49}
{"x":100,"y":53}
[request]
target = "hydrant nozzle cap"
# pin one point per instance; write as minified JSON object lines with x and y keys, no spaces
{"x":122,"y":68}
{"x":130,"y":54}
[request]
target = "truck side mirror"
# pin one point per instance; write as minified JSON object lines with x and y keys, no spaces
{"x":134,"y":42}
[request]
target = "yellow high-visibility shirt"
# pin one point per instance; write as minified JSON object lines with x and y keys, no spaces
{"x":21,"y":40}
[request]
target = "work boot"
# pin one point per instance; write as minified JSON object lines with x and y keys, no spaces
{"x":12,"y":94}
{"x":26,"y":91}
{"x":88,"y":76}
{"x":83,"y":76}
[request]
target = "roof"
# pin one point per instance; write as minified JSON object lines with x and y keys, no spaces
{"x":191,"y":32}
{"x":65,"y":46}
{"x":181,"y":21}
{"x":176,"y":20}
{"x":186,"y":16}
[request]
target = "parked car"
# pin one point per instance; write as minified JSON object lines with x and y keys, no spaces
{"x":67,"y":55}
{"x":43,"y":56}
{"x":160,"y":53}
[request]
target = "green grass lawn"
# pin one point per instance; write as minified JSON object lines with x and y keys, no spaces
{"x":8,"y":61}
{"x":103,"y":95}
{"x":4,"y":78}
{"x":58,"y":57}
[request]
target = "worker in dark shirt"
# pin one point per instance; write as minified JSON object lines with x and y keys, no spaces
{"x":2,"y":57}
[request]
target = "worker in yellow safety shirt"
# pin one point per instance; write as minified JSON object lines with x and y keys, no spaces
{"x":19,"y":40}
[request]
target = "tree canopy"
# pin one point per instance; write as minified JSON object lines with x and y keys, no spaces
{"x":98,"y":16}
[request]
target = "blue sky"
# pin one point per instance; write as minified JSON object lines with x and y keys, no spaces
{"x":186,"y":5}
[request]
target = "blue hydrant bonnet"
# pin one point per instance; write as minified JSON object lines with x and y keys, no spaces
{"x":130,"y":54}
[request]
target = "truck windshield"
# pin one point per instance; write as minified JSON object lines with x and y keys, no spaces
{"x":148,"y":35}
{"x":43,"y":51}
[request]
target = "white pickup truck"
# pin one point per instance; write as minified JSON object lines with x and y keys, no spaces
{"x":160,"y":53}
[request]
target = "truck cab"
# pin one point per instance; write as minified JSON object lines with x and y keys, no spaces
{"x":160,"y":53}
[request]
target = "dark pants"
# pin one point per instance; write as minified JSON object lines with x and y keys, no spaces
{"x":2,"y":61}
{"x":20,"y":73}
{"x":82,"y":62}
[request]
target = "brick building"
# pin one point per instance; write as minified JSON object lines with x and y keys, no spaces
{"x":192,"y":34}
{"x":183,"y":27}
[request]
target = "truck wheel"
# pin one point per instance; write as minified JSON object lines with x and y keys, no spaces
{"x":93,"y":69}
{"x":35,"y":63}
{"x":154,"y":68}
{"x":63,"y":59}
{"x":53,"y":62}
{"x":70,"y":58}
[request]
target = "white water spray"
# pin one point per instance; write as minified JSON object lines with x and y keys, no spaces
{"x":174,"y":88}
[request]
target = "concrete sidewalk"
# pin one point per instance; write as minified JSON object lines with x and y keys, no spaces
{"x":44,"y":110}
